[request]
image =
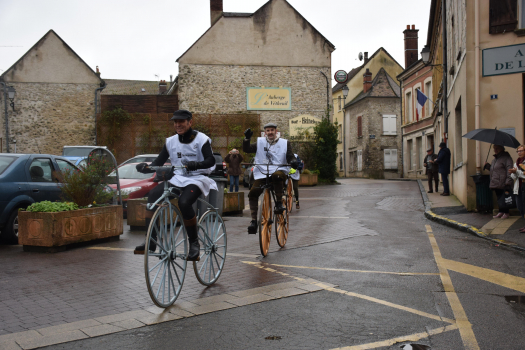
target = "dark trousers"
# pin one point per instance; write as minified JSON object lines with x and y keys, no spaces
{"x":433,"y":176}
{"x":520,"y":201}
{"x":444,"y":178}
{"x":188,"y":196}
{"x":500,"y":193}
{"x":277,"y":179}
{"x":296,"y":189}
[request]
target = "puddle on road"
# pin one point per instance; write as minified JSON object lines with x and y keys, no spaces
{"x":273,"y":337}
{"x":415,"y":347}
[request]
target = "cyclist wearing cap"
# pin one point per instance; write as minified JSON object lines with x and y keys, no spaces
{"x":268,"y":150}
{"x":192,"y":149}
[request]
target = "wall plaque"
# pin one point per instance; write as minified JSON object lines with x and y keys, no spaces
{"x":268,"y":99}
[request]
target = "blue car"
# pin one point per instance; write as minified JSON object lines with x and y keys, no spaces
{"x":26,"y":179}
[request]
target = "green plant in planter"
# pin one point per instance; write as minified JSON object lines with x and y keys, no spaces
{"x":47,"y":206}
{"x":87,"y":186}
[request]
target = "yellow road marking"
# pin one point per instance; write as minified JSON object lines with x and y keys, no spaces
{"x":499,"y":278}
{"x":465,"y":328}
{"x":429,"y":229}
{"x":405,"y":338}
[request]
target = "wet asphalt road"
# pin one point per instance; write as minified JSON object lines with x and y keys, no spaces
{"x":398,"y":276}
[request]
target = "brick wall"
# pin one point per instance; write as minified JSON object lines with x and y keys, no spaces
{"x":215,"y":89}
{"x":49,"y":116}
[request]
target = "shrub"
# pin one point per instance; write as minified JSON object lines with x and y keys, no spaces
{"x":326,"y":140}
{"x":47,"y":206}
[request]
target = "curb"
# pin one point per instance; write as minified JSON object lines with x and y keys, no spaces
{"x":458,"y":225}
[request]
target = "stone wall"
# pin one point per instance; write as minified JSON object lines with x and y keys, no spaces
{"x":372,"y":110}
{"x":219,"y":89}
{"x":49,"y":116}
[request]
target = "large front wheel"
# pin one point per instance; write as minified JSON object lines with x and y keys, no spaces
{"x":265,"y":221}
{"x":165,"y":267}
{"x":282,"y":225}
{"x":212,"y":239}
{"x":289,"y":195}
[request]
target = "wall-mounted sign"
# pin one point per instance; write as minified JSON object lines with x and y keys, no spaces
{"x":504,"y":60}
{"x":302,"y":127}
{"x":340,"y":76}
{"x":268,"y":99}
{"x":493,"y":97}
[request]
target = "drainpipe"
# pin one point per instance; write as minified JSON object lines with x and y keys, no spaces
{"x":445,"y":70}
{"x":102,"y":87}
{"x":476,"y":83}
{"x":327,"y":93}
{"x":6,"y":119}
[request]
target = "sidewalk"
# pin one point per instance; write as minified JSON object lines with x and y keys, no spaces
{"x":449,"y":211}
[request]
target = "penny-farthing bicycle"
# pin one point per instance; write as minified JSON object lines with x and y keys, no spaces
{"x":165,"y":268}
{"x":265,"y":214}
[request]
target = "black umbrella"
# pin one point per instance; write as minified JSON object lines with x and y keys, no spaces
{"x":493,"y":136}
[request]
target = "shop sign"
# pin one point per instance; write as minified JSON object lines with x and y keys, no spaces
{"x":268,"y":99}
{"x":504,"y":60}
{"x":302,"y":127}
{"x":341,"y":76}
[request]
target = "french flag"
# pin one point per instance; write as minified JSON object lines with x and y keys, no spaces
{"x":421,"y":100}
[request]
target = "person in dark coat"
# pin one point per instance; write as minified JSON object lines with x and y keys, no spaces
{"x":518,"y":175}
{"x":500,"y":176}
{"x":234,"y":160}
{"x":443,"y":162}
{"x":432,"y":169}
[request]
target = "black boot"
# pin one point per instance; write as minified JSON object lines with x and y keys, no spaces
{"x":252,"y":229}
{"x":193,"y":239}
{"x":278,"y":208}
{"x":152,"y":245}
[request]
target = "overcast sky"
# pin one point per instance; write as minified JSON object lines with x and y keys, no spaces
{"x":140,"y":40}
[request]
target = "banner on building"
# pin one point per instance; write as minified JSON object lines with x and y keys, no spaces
{"x":504,"y":60}
{"x":268,"y":99}
{"x":302,"y":127}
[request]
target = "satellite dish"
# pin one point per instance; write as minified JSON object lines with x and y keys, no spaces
{"x":360,"y":56}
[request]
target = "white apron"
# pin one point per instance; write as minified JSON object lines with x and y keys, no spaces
{"x":266,"y":154}
{"x":297,"y":174}
{"x":180,"y":154}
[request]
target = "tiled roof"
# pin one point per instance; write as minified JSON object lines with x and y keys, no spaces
{"x":382,"y":86}
{"x":132,"y":87}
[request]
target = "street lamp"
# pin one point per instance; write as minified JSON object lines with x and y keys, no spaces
{"x":425,"y":54}
{"x":11,"y":92}
{"x":345,"y":91}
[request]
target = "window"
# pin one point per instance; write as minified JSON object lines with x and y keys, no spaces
{"x":521,"y":14}
{"x":419,"y":153}
{"x":408,"y":107}
{"x":459,"y":131}
{"x":389,"y":124}
{"x":428,"y":105}
{"x":410,"y":165}
{"x":359,"y":160}
{"x":340,"y":133}
{"x":341,"y":161}
{"x":41,"y":170}
{"x":418,"y":113}
{"x":390,"y":159}
{"x":65,"y":166}
{"x":503,"y":16}
{"x":359,"y":126}
{"x":352,"y":161}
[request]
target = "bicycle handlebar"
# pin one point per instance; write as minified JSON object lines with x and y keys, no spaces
{"x":156,"y":167}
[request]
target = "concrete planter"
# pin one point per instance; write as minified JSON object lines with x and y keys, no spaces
{"x":69,"y":227}
{"x":308,"y":180}
{"x":233,"y":202}
{"x":136,"y":212}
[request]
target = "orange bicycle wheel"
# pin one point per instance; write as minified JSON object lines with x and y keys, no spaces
{"x":289,"y":195}
{"x":282,"y":225}
{"x":265,"y":221}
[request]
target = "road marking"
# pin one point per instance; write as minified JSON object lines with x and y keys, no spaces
{"x":465,"y":327}
{"x":429,"y":229}
{"x":405,"y":338}
{"x":362,"y":271}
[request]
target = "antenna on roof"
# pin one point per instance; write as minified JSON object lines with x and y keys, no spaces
{"x":360,"y":56}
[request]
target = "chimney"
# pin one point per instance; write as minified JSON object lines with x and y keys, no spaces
{"x":367,"y":80}
{"x":163,"y":87}
{"x":366,"y":57}
{"x":411,"y":49}
{"x":215,"y":10}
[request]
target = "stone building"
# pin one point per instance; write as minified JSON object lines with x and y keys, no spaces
{"x":272,"y":62}
{"x":374,"y":140}
{"x":54,"y":103}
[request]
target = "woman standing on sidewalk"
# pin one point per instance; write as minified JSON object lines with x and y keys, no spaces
{"x":234,"y":160}
{"x":500,"y":179}
{"x":517,"y":173}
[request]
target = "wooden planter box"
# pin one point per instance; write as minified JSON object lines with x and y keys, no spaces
{"x":233,"y":202}
{"x":69,"y":227}
{"x":136,"y":212}
{"x":308,"y":180}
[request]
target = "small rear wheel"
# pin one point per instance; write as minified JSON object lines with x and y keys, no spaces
{"x":265,"y":221}
{"x":289,"y":195}
{"x":165,"y":267}
{"x":212,"y":239}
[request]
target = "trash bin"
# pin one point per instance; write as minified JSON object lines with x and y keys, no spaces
{"x":483,"y":193}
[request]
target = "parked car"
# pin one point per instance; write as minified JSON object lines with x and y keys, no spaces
{"x":220,"y":166}
{"x":26,"y":179}
{"x":78,"y":154}
{"x":142,"y":158}
{"x":133,"y":184}
{"x":247,"y":178}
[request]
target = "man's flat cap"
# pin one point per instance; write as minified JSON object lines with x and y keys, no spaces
{"x":270,"y":125}
{"x":429,"y":149}
{"x":181,"y":114}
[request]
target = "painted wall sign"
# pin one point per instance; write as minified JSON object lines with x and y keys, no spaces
{"x":268,"y":99}
{"x":340,"y":76}
{"x":504,"y":60}
{"x":302,"y":127}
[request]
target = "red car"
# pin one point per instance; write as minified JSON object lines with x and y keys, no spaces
{"x":134,"y":184}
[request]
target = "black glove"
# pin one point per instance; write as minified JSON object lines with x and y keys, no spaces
{"x":143,"y":168}
{"x":192,"y":165}
{"x":248,"y":133}
{"x":294,"y":164}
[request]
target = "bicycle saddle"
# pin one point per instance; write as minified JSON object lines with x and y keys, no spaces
{"x":164,"y":174}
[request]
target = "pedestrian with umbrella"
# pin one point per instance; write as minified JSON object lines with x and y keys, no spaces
{"x":500,"y":177}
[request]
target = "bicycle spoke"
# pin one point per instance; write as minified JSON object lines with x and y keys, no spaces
{"x":161,"y":282}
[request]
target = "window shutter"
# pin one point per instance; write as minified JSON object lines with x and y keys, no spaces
{"x":359,"y":126}
{"x":359,"y":160}
{"x":387,"y":162}
{"x":393,"y":158}
{"x":389,"y":124}
{"x":503,"y":16}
